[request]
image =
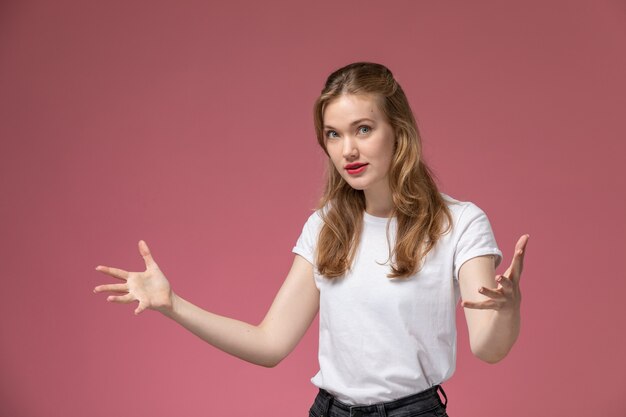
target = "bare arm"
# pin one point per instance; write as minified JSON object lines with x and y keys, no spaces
{"x":492,"y":314}
{"x":288,"y":318}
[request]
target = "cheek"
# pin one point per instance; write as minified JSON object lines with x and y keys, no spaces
{"x":334,"y":156}
{"x":335,"y":162}
{"x":385,"y":152}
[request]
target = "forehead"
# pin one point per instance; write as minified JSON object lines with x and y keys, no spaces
{"x":346,"y":108}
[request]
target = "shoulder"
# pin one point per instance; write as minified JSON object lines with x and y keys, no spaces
{"x":462,"y":211}
{"x":315,"y":219}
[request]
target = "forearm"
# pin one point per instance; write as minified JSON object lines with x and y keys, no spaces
{"x":497,"y":336}
{"x":237,"y":338}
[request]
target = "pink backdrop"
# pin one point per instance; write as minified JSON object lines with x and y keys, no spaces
{"x":189,"y":125}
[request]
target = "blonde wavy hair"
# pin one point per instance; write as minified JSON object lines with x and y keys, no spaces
{"x":419,"y":208}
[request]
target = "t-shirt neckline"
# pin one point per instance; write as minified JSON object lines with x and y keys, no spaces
{"x":375,"y":219}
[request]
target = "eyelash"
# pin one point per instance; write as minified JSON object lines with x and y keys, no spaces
{"x":328,"y":133}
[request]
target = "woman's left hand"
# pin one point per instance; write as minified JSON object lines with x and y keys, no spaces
{"x":506,"y":297}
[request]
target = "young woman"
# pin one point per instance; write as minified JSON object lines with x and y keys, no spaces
{"x":385,"y":259}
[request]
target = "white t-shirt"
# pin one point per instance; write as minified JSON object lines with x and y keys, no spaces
{"x":380,"y":338}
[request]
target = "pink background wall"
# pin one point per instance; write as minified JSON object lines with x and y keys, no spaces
{"x":189,"y":125}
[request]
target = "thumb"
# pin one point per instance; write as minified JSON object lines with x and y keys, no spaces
{"x":139,"y":309}
{"x":145,"y":253}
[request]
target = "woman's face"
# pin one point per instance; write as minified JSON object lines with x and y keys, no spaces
{"x":360,"y":142}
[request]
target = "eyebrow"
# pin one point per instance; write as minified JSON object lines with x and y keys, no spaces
{"x":356,"y":122}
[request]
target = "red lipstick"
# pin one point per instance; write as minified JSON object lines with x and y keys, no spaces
{"x":355,"y":168}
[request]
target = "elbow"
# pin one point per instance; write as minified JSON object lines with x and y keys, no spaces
{"x":272,"y":360}
{"x":489,"y":356}
{"x":274,"y":349}
{"x":260,"y":360}
{"x":490,"y":359}
{"x":268,"y":364}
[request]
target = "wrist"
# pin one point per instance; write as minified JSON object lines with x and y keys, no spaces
{"x":170,"y":309}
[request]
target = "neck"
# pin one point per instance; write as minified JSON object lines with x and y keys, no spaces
{"x":378,"y":204}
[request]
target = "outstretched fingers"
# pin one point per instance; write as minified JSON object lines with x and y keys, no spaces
{"x":517,"y":264}
{"x":112,"y":288}
{"x":479,"y":305}
{"x":125,"y":299}
{"x":504,"y":282}
{"x":114,"y":272}
{"x":490,"y":292}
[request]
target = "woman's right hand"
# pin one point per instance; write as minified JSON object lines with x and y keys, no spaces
{"x":150,"y":287}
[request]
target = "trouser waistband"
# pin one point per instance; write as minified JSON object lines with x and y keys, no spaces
{"x":427,"y":396}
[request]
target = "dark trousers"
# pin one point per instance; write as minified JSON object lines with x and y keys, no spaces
{"x":423,"y":404}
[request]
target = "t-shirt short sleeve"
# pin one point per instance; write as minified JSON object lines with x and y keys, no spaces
{"x":476,"y":238}
{"x":305,"y":245}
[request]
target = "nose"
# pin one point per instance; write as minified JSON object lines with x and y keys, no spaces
{"x":350,"y":150}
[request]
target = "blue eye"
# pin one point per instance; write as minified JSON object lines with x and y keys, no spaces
{"x":330,"y":133}
{"x":367,"y":129}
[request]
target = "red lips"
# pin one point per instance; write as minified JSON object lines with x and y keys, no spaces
{"x":354,"y":165}
{"x":356,"y":168}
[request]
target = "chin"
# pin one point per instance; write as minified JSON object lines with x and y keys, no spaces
{"x":356,"y":186}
